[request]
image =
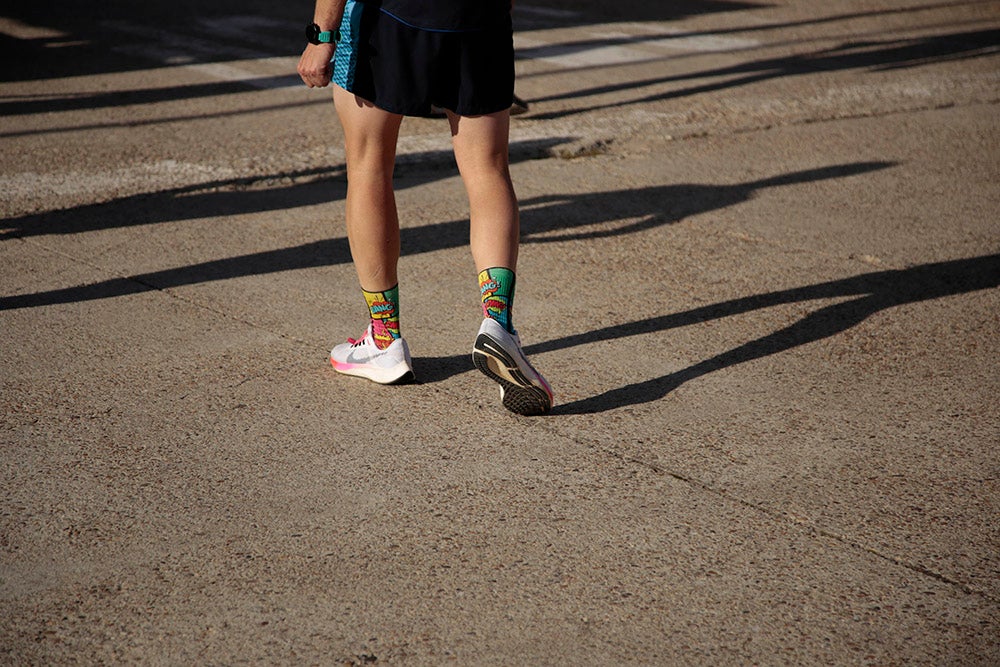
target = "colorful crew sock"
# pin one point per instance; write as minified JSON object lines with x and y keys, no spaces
{"x":384,"y":309}
{"x":496,"y":286}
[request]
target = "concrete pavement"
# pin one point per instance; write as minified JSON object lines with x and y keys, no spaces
{"x":760,"y":270}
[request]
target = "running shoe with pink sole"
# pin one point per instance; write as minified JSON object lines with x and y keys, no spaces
{"x":363,"y":358}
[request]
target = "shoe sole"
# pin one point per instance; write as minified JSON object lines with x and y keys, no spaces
{"x":520,"y":394}
{"x":399,"y":374}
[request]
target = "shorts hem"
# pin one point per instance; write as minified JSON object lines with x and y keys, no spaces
{"x":406,"y":70}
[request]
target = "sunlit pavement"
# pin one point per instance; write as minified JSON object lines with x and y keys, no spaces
{"x":759,"y":269}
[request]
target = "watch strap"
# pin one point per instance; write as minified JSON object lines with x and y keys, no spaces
{"x":316,"y":36}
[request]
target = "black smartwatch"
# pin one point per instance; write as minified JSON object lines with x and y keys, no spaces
{"x":316,"y":36}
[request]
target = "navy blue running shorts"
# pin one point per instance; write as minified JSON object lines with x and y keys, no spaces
{"x":404,"y":69}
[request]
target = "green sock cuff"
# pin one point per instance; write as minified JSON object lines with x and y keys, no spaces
{"x":496,"y":287}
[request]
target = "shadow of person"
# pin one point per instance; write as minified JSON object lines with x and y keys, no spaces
{"x":557,"y":218}
{"x":237,"y":196}
{"x":549,"y":218}
{"x":874,"y":291}
{"x":873,"y":56}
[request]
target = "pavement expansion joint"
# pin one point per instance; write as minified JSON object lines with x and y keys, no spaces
{"x":802,"y":522}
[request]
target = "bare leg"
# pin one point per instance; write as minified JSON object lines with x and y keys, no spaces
{"x":370,"y":136}
{"x":480,"y":144}
{"x":481,"y":150}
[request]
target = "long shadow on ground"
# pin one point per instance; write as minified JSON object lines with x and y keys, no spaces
{"x":544,"y":219}
{"x":874,"y":291}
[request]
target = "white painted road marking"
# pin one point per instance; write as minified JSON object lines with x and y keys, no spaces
{"x":256,"y":68}
{"x":595,"y":46}
{"x":569,"y":48}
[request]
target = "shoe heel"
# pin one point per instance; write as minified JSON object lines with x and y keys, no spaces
{"x":518,"y":393}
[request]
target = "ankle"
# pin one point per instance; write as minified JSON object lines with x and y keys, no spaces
{"x":383,"y":307}
{"x":496,"y":286}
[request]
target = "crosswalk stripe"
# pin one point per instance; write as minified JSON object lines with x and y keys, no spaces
{"x":639,"y":43}
{"x":569,"y":48}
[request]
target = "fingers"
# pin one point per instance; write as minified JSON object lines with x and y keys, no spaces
{"x":314,"y":65}
{"x":315,"y":76}
{"x":316,"y":79}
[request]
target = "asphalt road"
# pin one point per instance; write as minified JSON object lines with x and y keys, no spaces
{"x":760,"y":268}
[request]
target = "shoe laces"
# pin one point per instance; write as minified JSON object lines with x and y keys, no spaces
{"x":355,"y":342}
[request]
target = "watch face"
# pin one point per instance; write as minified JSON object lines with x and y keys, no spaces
{"x":312,"y":33}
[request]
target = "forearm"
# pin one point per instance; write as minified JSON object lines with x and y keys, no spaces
{"x":328,"y":14}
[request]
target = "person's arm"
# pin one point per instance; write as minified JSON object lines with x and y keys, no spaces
{"x":314,"y":65}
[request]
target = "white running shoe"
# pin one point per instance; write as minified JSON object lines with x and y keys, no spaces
{"x":497,"y":354}
{"x":363,"y":358}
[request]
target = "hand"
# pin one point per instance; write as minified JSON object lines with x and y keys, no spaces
{"x":314,"y":65}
